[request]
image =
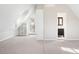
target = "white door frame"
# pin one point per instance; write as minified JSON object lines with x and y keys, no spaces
{"x":64,"y":15}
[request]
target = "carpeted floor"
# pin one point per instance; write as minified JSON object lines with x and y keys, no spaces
{"x":32,"y":45}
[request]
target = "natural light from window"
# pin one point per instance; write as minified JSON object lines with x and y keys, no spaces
{"x":71,"y":50}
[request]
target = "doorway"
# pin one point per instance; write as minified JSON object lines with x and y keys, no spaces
{"x":60,"y":33}
{"x":61,"y":25}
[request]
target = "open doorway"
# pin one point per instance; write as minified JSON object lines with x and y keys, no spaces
{"x":61,"y":25}
{"x":60,"y":33}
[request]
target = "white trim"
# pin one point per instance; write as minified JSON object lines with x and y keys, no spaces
{"x":6,"y":35}
{"x":62,"y":14}
{"x":6,"y":38}
{"x":71,"y":39}
{"x":50,"y":39}
{"x":58,"y":39}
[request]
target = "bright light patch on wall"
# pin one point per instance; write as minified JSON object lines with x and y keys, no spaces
{"x":22,"y":18}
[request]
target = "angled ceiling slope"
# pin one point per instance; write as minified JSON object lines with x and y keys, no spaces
{"x":75,"y":9}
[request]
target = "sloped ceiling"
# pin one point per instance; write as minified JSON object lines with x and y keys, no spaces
{"x":9,"y":15}
{"x":74,"y":8}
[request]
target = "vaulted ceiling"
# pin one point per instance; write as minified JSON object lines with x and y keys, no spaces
{"x":10,"y":13}
{"x":75,"y":9}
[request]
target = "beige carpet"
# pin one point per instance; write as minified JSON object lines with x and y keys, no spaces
{"x":31,"y":45}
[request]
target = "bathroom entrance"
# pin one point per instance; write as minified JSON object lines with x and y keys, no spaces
{"x":60,"y":33}
{"x":61,"y":25}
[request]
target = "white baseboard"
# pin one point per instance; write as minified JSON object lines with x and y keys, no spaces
{"x":39,"y":38}
{"x":50,"y":39}
{"x":5,"y":36}
{"x":67,"y":39}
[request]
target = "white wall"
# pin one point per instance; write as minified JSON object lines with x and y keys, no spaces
{"x":50,"y":19}
{"x":8,"y":18}
{"x":10,"y":13}
{"x":75,"y":8}
{"x":39,"y":23}
{"x":50,"y":23}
